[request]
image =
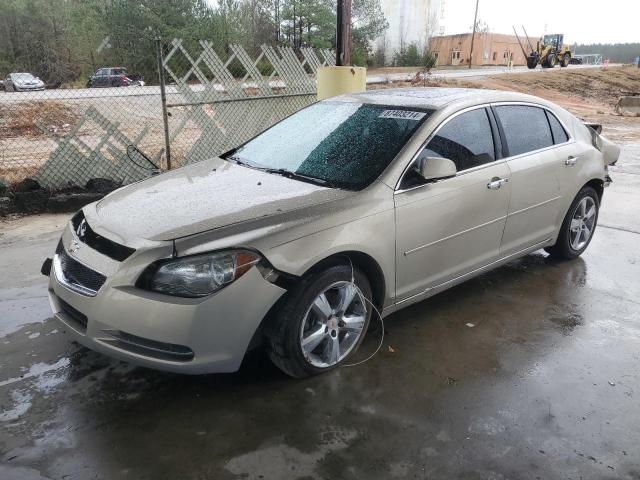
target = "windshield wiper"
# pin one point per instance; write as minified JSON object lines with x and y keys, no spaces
{"x":297,"y":176}
{"x":279,"y":171}
{"x":236,"y":160}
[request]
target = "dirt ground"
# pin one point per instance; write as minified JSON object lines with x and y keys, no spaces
{"x":588,"y":94}
{"x":35,"y":119}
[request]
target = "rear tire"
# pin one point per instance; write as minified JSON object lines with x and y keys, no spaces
{"x":303,"y":334}
{"x":578,"y":226}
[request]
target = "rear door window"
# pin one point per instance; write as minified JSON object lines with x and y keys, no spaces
{"x":559,"y":134}
{"x":525,"y":128}
{"x":466,"y":140}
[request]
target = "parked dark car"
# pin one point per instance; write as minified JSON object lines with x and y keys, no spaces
{"x":22,"y":82}
{"x":575,"y":61}
{"x":110,"y":77}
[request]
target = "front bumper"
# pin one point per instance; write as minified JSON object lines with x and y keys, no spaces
{"x":158,"y":331}
{"x":28,"y":88}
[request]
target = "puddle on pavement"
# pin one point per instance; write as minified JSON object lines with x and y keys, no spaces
{"x":567,"y":323}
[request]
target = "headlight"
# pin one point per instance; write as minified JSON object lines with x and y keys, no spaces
{"x":197,"y":275}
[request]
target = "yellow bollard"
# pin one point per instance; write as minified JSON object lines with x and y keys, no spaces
{"x":333,"y":81}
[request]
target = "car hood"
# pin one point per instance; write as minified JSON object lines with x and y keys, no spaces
{"x":200,"y":197}
{"x":33,"y":81}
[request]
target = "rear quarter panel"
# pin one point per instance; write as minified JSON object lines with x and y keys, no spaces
{"x":589,"y":165}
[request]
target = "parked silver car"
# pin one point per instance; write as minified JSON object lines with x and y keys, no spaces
{"x":376,"y":199}
{"x":23,"y":82}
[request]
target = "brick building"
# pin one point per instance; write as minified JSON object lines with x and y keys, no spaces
{"x":488,"y":49}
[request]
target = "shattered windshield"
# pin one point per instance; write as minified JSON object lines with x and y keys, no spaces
{"x":344,"y":145}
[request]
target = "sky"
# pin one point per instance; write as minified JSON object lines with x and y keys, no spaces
{"x":581,"y":21}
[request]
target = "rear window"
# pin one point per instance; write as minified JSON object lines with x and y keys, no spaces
{"x":559,"y":134}
{"x":525,"y":128}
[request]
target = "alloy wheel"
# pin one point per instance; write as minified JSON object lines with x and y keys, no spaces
{"x":333,"y":324}
{"x":583,"y":223}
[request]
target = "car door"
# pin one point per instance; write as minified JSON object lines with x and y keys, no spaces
{"x":535,"y":189}
{"x":106,"y":79}
{"x":570,"y":157}
{"x":450,"y":227}
{"x":114,"y":77}
{"x":102,"y":77}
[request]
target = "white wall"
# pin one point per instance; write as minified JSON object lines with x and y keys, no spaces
{"x":410,"y":21}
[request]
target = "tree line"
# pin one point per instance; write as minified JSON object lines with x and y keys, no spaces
{"x":615,"y":52}
{"x":67,"y":41}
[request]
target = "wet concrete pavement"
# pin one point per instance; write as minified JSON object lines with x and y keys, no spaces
{"x":529,"y":371}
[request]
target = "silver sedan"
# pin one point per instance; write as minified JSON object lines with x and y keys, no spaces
{"x":23,"y":82}
{"x":352,"y":208}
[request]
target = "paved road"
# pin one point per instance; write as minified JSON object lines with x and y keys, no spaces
{"x":530,"y":371}
{"x":100,"y":93}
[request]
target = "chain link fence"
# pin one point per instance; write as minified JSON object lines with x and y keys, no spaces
{"x":214,"y":104}
{"x":205,"y":101}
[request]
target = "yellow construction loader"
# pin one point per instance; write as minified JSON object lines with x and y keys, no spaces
{"x":549,"y":51}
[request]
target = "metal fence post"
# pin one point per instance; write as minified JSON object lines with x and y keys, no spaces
{"x":163,"y":99}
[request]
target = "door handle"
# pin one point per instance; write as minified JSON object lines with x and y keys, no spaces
{"x":496,"y":183}
{"x":570,"y":161}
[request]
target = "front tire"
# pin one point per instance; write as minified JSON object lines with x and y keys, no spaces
{"x":578,"y":226}
{"x":565,"y":60}
{"x":321,"y":323}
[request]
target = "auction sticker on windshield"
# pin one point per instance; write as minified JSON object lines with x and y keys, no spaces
{"x":403,"y":114}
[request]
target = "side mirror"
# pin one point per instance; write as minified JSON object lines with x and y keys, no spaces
{"x":437,"y":168}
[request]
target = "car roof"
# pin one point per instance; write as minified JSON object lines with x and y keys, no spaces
{"x":435,"y":98}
